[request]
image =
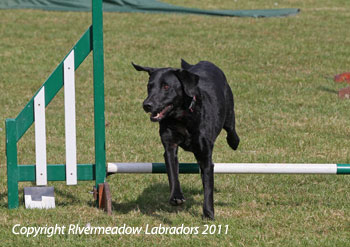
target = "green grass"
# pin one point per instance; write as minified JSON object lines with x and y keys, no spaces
{"x":280,"y":71}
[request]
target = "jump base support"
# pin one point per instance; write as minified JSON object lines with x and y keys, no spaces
{"x":39,"y":197}
{"x":102,"y":196}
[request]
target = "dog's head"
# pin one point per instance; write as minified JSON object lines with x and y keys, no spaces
{"x":167,"y":89}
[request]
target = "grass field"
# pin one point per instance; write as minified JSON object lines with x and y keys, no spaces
{"x":280,"y":70}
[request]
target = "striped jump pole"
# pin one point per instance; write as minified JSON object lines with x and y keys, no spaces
{"x":234,"y":168}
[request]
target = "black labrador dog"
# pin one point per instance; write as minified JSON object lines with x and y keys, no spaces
{"x":192,"y":105}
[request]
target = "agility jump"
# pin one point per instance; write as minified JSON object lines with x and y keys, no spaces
{"x":70,"y":171}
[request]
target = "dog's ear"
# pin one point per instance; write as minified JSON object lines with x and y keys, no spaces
{"x":142,"y":68}
{"x":185,"y":65}
{"x":188,"y":80}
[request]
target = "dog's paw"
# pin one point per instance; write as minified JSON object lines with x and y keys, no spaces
{"x":208,"y":218}
{"x":177,"y":201}
{"x":208,"y":214}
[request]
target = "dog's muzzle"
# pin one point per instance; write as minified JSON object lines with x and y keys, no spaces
{"x":156,"y":117}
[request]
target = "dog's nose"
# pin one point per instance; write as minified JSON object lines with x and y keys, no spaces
{"x":147,"y":106}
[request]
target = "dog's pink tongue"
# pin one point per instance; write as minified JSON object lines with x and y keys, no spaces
{"x":160,"y":115}
{"x":157,"y":117}
{"x":164,"y":110}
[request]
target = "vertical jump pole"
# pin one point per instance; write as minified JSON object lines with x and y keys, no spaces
{"x":12,"y":166}
{"x":99,"y":104}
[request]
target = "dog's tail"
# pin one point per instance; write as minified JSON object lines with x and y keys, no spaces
{"x":232,"y":139}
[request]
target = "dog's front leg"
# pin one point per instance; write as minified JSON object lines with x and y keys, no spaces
{"x":170,"y":141}
{"x":172,"y":166}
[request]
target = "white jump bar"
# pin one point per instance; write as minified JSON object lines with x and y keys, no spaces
{"x":239,"y":168}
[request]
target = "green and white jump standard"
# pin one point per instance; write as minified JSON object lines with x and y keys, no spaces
{"x":238,"y":168}
{"x":34,"y":113}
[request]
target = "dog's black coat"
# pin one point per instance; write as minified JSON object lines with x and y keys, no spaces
{"x":192,"y":105}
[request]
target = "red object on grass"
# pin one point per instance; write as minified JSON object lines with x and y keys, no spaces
{"x":344,"y":93}
{"x":344,"y":77}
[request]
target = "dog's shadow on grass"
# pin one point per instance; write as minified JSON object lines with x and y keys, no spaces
{"x":155,"y":199}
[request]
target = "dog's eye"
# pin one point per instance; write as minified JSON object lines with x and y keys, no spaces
{"x":165,"y":86}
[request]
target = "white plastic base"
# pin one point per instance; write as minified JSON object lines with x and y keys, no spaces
{"x":39,"y":197}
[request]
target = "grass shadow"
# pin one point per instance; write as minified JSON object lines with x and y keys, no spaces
{"x":66,"y":198}
{"x":3,"y":202}
{"x":328,"y":90}
{"x":154,"y":199}
{"x":69,"y":199}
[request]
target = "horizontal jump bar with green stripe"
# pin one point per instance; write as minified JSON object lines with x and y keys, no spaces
{"x":57,"y":172}
{"x":244,"y":168}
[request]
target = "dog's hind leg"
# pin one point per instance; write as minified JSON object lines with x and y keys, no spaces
{"x":206,"y":165}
